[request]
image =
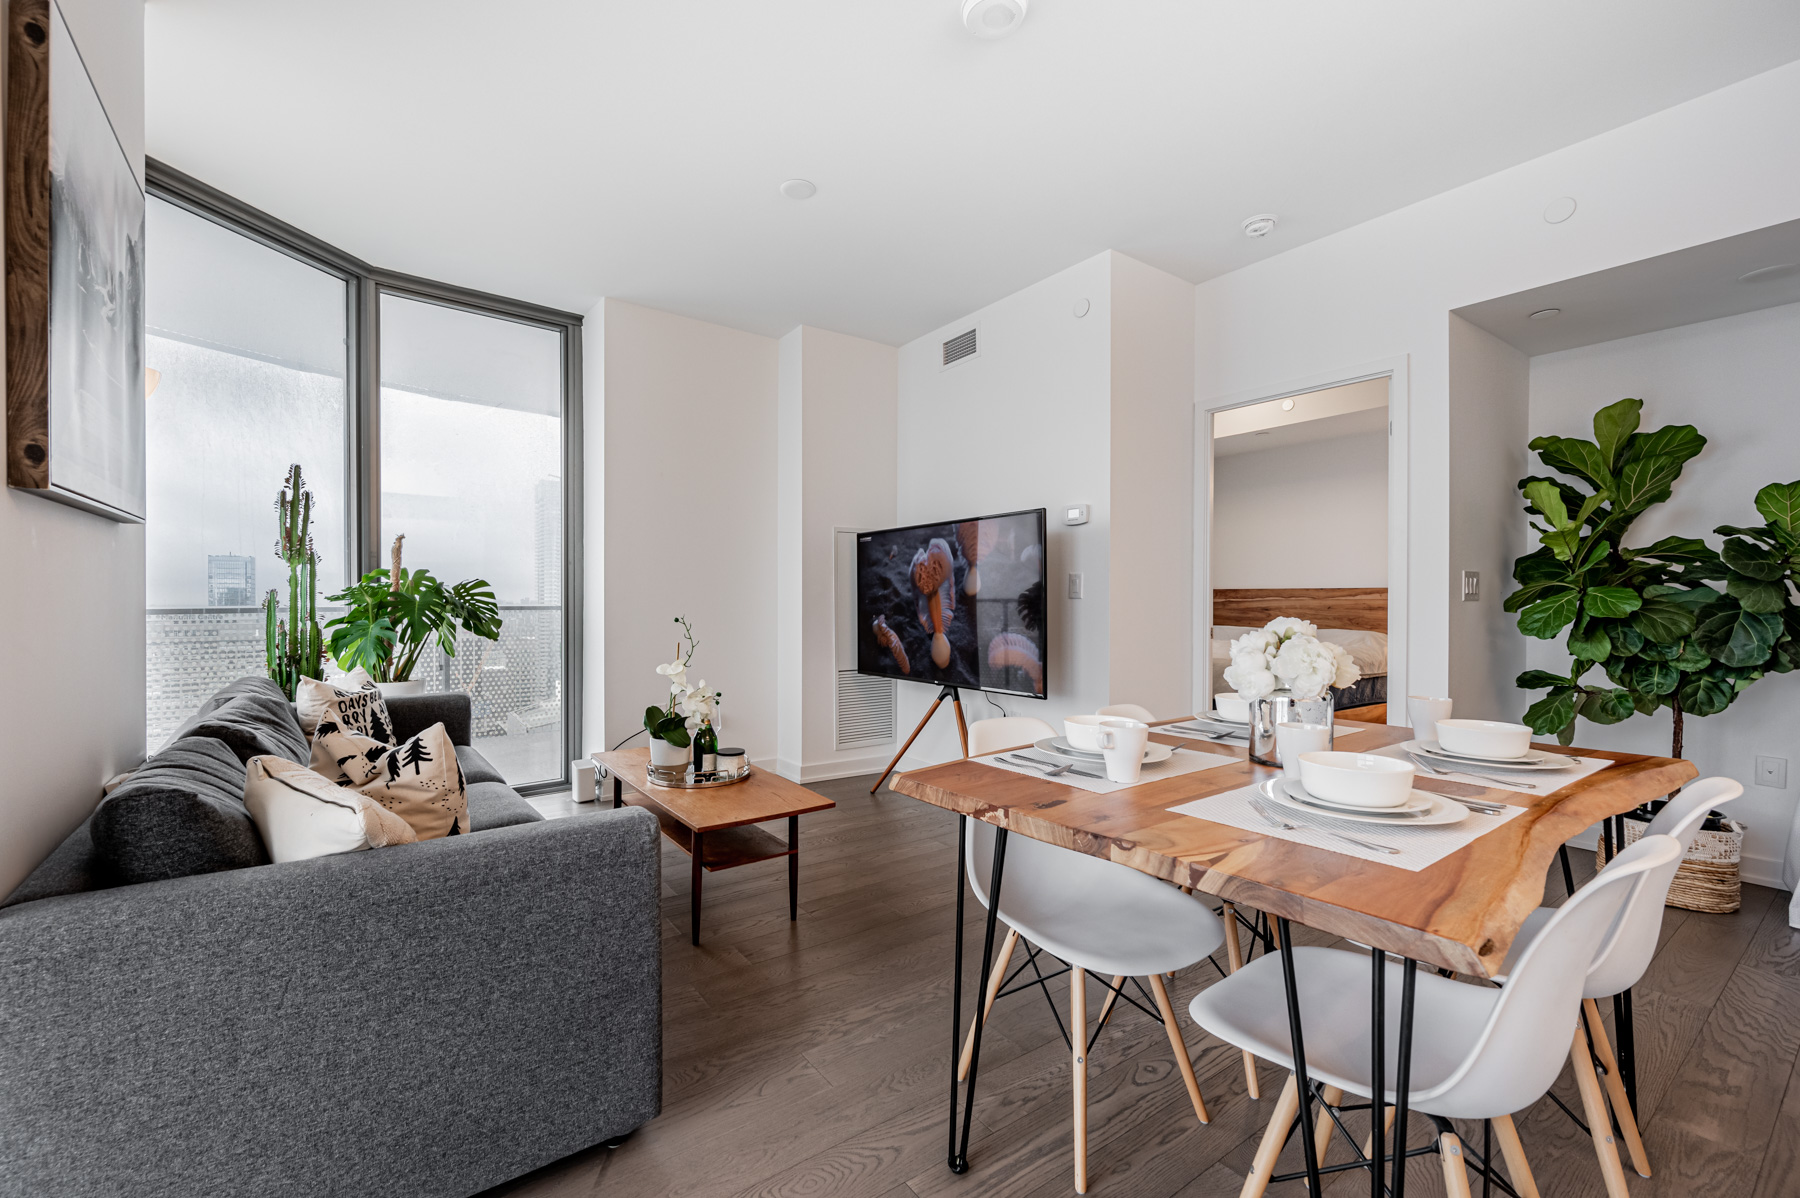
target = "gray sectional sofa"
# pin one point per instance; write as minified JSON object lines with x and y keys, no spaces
{"x":178,"y":1017}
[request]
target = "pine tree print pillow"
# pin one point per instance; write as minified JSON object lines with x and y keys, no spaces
{"x":420,"y":781}
{"x":360,"y":709}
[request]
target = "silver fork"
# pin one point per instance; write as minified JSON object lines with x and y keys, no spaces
{"x":1042,"y":767}
{"x":1285,"y":826}
{"x":1432,"y":769}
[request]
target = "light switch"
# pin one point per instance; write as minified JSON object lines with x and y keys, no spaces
{"x":1074,"y":586}
{"x":1471,"y":586}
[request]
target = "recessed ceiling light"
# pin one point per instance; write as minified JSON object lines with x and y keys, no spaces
{"x":1769,"y":274}
{"x":993,"y":18}
{"x":1546,"y":313}
{"x":1260,"y":226}
{"x":799,"y":189}
{"x":1287,"y":405}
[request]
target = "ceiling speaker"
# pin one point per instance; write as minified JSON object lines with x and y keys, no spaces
{"x":993,"y":18}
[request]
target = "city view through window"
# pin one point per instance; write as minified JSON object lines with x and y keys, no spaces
{"x":250,"y":351}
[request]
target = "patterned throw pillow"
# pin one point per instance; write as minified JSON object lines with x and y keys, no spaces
{"x":420,"y":781}
{"x":302,"y":815}
{"x":361,"y":710}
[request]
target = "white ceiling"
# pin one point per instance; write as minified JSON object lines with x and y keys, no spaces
{"x":564,"y":150}
{"x":1327,"y":415}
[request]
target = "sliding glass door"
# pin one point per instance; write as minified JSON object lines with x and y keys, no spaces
{"x":247,"y":375}
{"x":471,"y":476}
{"x":415,"y":408}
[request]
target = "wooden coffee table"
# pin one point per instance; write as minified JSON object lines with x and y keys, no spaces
{"x":713,"y":825}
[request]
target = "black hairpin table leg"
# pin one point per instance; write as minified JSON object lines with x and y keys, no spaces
{"x":1298,"y":1044}
{"x":959,"y":1154}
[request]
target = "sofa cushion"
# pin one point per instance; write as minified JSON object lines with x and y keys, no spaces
{"x":253,"y":724}
{"x":181,"y":813}
{"x":495,"y":805}
{"x":475,"y":767}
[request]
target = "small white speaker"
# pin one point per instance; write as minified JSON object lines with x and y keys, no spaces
{"x":582,"y":780}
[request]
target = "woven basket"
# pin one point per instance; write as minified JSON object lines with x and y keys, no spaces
{"x":1708,"y":878}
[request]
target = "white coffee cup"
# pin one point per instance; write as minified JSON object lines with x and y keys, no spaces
{"x":1292,"y":739}
{"x":1122,"y":743}
{"x":1423,"y":713}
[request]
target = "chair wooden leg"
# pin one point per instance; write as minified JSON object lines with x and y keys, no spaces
{"x":1456,"y":1173}
{"x":1287,"y":1105}
{"x":1593,"y":1104}
{"x":987,"y":1007}
{"x":1323,"y":1129}
{"x":1180,"y":1046}
{"x":1234,"y":958}
{"x":1078,"y":1070}
{"x":1517,"y":1167}
{"x":1615,"y":1089}
{"x":1386,"y":1126}
{"x":1112,"y":997}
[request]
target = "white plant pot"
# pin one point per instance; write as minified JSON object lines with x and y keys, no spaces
{"x":401,"y":690}
{"x":665,"y":754}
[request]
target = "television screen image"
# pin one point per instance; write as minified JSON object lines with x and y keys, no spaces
{"x":962,"y":603}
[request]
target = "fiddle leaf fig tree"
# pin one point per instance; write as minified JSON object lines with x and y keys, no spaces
{"x":1632,"y":612}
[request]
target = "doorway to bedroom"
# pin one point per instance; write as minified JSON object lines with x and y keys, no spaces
{"x":1299,"y":511}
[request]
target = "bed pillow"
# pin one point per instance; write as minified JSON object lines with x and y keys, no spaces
{"x":300,"y":814}
{"x":361,"y":710}
{"x":1367,"y":649}
{"x":419,"y":780}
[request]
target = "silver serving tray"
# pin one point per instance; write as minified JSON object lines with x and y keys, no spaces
{"x":685,"y":778}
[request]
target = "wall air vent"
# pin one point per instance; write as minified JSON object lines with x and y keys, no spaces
{"x":865,"y":710}
{"x":961,"y":346}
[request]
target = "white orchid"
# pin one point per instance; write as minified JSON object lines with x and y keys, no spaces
{"x":676,"y":673}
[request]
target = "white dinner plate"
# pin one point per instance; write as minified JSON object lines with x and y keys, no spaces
{"x":1536,"y":759}
{"x":1057,"y":746}
{"x":1426,"y":810}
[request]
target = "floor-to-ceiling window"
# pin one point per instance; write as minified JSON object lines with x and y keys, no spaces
{"x":413,"y":407}
{"x":471,"y":475}
{"x":247,"y":349}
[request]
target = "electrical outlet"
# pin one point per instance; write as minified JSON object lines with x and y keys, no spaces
{"x":1074,"y":586}
{"x":1471,"y":586}
{"x":1772,"y":771}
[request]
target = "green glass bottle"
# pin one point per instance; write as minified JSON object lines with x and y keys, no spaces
{"x":706,"y":748}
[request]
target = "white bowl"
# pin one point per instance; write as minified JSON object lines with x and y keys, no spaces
{"x":1483,"y":738}
{"x":1232,"y":706}
{"x":1359,"y":779}
{"x":1080,"y":731}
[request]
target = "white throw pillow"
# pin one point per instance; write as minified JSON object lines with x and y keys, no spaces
{"x":302,"y":815}
{"x":359,"y":708}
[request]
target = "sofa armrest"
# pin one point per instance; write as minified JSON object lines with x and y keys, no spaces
{"x":431,"y":1018}
{"x":412,"y":714}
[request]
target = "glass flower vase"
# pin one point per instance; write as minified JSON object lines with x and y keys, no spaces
{"x":1279,"y":707}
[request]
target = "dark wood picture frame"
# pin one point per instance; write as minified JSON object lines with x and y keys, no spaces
{"x":74,"y":239}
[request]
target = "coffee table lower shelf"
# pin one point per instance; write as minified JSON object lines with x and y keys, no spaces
{"x":722,"y":848}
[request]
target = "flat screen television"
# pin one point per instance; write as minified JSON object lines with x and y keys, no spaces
{"x":957,"y":603}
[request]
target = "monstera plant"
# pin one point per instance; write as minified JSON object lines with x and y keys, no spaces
{"x":1634,"y":613}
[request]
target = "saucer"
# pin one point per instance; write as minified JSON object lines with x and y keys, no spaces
{"x":1058,"y":746}
{"x":1426,"y":810}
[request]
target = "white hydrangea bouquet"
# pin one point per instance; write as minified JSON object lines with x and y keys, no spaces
{"x":1287,"y":654}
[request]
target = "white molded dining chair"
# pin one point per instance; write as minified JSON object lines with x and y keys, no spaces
{"x":1129,"y":711}
{"x":1478,"y":1052}
{"x":1625,"y":956}
{"x":1096,"y":916}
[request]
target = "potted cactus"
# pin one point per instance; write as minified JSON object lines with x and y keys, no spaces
{"x":293,"y":648}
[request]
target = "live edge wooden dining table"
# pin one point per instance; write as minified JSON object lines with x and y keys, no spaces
{"x":1459,"y":914}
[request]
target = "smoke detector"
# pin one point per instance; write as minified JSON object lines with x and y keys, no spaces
{"x":1260,"y":226}
{"x":993,"y":18}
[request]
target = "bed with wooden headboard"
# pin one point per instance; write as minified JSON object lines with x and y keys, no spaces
{"x":1355,"y":617}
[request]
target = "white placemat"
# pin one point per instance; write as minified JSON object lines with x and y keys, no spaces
{"x":1182,"y":761}
{"x":1342,"y":730}
{"x":1525,"y":782}
{"x":1419,"y":848}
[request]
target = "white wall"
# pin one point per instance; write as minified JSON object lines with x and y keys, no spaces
{"x":1151,"y":565}
{"x":686,"y":482}
{"x":72,"y":692}
{"x":1738,"y":381}
{"x":1487,"y":393}
{"x":1026,"y":424}
{"x":1307,"y":515}
{"x":837,"y":464}
{"x":1693,"y":173}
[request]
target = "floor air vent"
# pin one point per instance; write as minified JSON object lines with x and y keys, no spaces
{"x":959,"y":347}
{"x":865,"y":710}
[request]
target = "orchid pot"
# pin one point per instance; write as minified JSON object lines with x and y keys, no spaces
{"x":664,"y":755}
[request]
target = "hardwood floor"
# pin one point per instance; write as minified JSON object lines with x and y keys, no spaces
{"x":813,"y":1059}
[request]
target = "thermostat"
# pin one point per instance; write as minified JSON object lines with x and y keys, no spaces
{"x":1075,"y":513}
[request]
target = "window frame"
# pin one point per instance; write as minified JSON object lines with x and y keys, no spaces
{"x":364,"y":286}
